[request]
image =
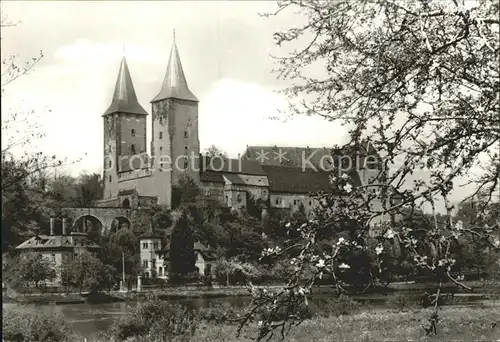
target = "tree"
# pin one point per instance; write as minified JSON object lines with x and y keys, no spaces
{"x":186,"y":192}
{"x":182,"y":256}
{"x":88,"y":190}
{"x":418,"y":83}
{"x":87,"y":272}
{"x":30,"y":268}
{"x":214,"y":151}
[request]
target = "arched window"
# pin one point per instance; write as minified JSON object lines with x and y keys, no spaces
{"x":126,"y":203}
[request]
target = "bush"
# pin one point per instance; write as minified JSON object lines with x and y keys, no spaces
{"x":400,"y":301}
{"x":19,"y":326}
{"x":159,"y":320}
{"x":343,"y":305}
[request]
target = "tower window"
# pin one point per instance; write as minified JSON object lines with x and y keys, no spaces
{"x":161,"y":148}
{"x":110,"y":178}
{"x":161,"y":135}
{"x":185,"y":164}
{"x":161,"y":121}
{"x":185,"y":147}
{"x":132,"y":148}
{"x":185,"y":134}
{"x":110,"y":164}
{"x":132,"y":131}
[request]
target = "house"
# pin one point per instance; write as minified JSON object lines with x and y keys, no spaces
{"x":155,"y":259}
{"x":58,"y":249}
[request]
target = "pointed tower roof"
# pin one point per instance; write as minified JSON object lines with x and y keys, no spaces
{"x":124,"y":98}
{"x":175,"y":84}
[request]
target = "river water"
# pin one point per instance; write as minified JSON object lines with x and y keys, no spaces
{"x":90,"y":319}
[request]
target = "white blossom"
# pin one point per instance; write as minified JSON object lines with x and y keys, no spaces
{"x":348,"y":188}
{"x":260,"y":323}
{"x":459,"y":225}
{"x":344,"y":265}
{"x":496,"y":243}
{"x":344,"y":176}
{"x":321,"y":263}
{"x":389,"y":234}
{"x":302,"y":291}
{"x":379,"y":249}
{"x":287,"y":225}
{"x":340,"y":241}
{"x":332,"y":178}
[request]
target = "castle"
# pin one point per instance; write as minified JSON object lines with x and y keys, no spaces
{"x":283,"y":177}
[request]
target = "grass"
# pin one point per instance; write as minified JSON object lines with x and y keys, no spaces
{"x":456,"y":324}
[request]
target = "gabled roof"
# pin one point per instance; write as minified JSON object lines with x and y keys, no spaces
{"x":175,"y":84}
{"x":124,"y":98}
{"x":295,"y":180}
{"x":228,"y":165}
{"x":316,"y":158}
{"x":240,"y":179}
{"x":55,"y":241}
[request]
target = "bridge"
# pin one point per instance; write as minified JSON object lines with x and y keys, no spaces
{"x":101,"y":218}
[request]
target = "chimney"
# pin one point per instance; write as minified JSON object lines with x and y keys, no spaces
{"x":64,"y":226}
{"x":52,"y":225}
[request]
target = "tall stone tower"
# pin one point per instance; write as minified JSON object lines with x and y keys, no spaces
{"x":175,"y":145}
{"x":124,"y":130}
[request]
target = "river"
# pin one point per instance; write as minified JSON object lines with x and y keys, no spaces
{"x":90,"y":319}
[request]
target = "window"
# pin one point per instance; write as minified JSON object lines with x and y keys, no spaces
{"x":310,"y":202}
{"x":160,"y":271}
{"x":185,"y":134}
{"x":294,"y":202}
{"x":109,"y":164}
{"x":144,"y":245}
{"x":132,"y":131}
{"x":161,"y":148}
{"x":132,"y":148}
{"x":110,"y":178}
{"x":161,"y":121}
{"x":185,"y":164}
{"x":278,"y":200}
{"x":155,"y":246}
{"x":185,"y":147}
{"x":207,"y":192}
{"x":145,"y":264}
{"x":53,"y":258}
{"x":153,"y":263}
{"x":109,"y":148}
{"x":161,"y":135}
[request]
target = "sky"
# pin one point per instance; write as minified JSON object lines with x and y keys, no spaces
{"x":224,"y":47}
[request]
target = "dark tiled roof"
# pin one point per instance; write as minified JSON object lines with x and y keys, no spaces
{"x":54,"y":241}
{"x":124,"y":98}
{"x":211,"y":176}
{"x":235,"y":179}
{"x":295,"y":180}
{"x":227,"y":165}
{"x":318,"y":158}
{"x":150,"y":235}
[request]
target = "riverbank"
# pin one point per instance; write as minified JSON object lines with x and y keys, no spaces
{"x":202,"y":292}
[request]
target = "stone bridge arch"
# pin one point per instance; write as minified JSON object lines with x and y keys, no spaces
{"x":105,"y":216}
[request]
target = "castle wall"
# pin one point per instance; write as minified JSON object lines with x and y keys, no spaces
{"x":292,"y":201}
{"x":110,"y":161}
{"x":135,"y":138}
{"x":213,"y":190}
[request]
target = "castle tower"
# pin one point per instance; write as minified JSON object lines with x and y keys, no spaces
{"x":124,"y":130}
{"x":175,"y":147}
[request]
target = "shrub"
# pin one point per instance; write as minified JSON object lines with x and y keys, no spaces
{"x":400,"y":301}
{"x":20,"y":326}
{"x":159,"y":320}
{"x":343,"y":305}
